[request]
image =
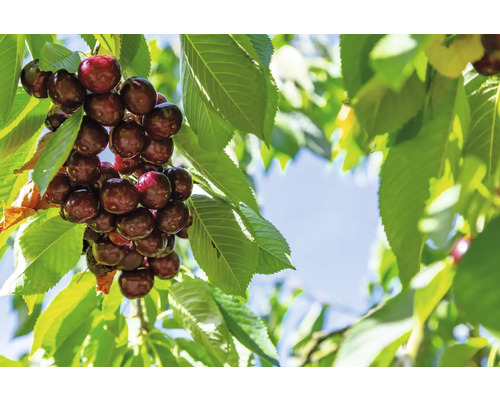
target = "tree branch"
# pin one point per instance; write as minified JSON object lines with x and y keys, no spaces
{"x":140,"y":314}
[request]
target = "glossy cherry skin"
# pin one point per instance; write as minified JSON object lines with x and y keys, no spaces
{"x":181,"y":181}
{"x":487,"y":65}
{"x":131,"y":261}
{"x":173,"y":217}
{"x":103,"y":222}
{"x":152,"y":245}
{"x":460,"y":247}
{"x":136,"y":224}
{"x":166,"y":267}
{"x":127,"y":139}
{"x":59,"y":189}
{"x":119,"y":196}
{"x":154,"y":190}
{"x":118,"y":239}
{"x":107,"y":253}
{"x":83,"y":169}
{"x":108,"y":171}
{"x":139,"y":95}
{"x":105,"y":108}
{"x":34,"y":81}
{"x":90,"y":235}
{"x":136,"y":284}
{"x":92,"y":138}
{"x":99,"y":270}
{"x":81,"y":206}
{"x":66,"y":90}
{"x":127,"y":166}
{"x":164,"y":121}
{"x":169,"y":247}
{"x":55,"y":117}
{"x":183,"y":233}
{"x":490,"y":42}
{"x":99,"y":73}
{"x":157,"y":151}
{"x":160,"y":98}
{"x":145,"y":166}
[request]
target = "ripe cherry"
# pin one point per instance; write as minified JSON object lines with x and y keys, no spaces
{"x":490,"y":43}
{"x":160,"y":98}
{"x":136,"y":224}
{"x":136,"y":284}
{"x":182,"y":183}
{"x":81,"y":206}
{"x":157,"y":151}
{"x":108,"y":171}
{"x":183,"y":233}
{"x":487,"y":65}
{"x":131,"y":261}
{"x":83,"y":169}
{"x":59,"y":188}
{"x":90,"y":235}
{"x":139,"y":95}
{"x":127,"y":166}
{"x":154,"y":190}
{"x":55,"y":117}
{"x":99,"y":73}
{"x":152,"y":245}
{"x":103,"y":222}
{"x":460,"y":247}
{"x":173,"y":217}
{"x":166,"y":267}
{"x":66,"y":90}
{"x":169,"y":247}
{"x":34,"y":81}
{"x":127,"y":139}
{"x":105,"y":108}
{"x":107,"y":253}
{"x":118,"y":239}
{"x":119,"y":196}
{"x":99,"y":270}
{"x":164,"y":121}
{"x":145,"y":166}
{"x":92,"y":138}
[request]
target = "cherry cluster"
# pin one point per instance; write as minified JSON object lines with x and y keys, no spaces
{"x":489,"y":64}
{"x":133,"y":208}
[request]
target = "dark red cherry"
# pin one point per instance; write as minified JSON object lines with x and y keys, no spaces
{"x":145,"y":166}
{"x":132,"y":260}
{"x":152,"y":245}
{"x":34,"y":81}
{"x":169,"y":247}
{"x":105,"y":108}
{"x":99,"y":73}
{"x":127,"y":166}
{"x":119,"y":196}
{"x":81,"y":206}
{"x":118,"y":239}
{"x":490,"y":42}
{"x":108,"y":171}
{"x":160,"y":98}
{"x":181,"y":181}
{"x":66,"y":90}
{"x":92,"y":138}
{"x":154,"y":190}
{"x":166,"y":267}
{"x":55,"y":117}
{"x":99,"y":270}
{"x":183,"y":233}
{"x":157,"y":151}
{"x":107,"y":253}
{"x":164,"y":121}
{"x":139,"y":95}
{"x":59,"y":188}
{"x":173,"y":217}
{"x":83,"y":169}
{"x":460,"y":247}
{"x":487,"y":65}
{"x":127,"y":139}
{"x":103,"y":222}
{"x":136,"y":224}
{"x":90,"y":235}
{"x":136,"y":284}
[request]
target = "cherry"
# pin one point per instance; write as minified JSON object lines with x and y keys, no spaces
{"x":55,"y":117}
{"x":105,"y":108}
{"x":59,"y":188}
{"x":81,"y":206}
{"x":173,"y":217}
{"x":460,"y":247}
{"x":127,"y":166}
{"x":181,"y":181}
{"x":118,"y":239}
{"x":183,"y":233}
{"x":165,"y":267}
{"x":157,"y":151}
{"x":152,"y":245}
{"x":66,"y":90}
{"x":90,"y":235}
{"x":160,"y":98}
{"x":136,"y":284}
{"x":99,"y":270}
{"x":164,"y":121}
{"x":154,"y":190}
{"x":487,"y":65}
{"x":83,"y":169}
{"x":136,"y":224}
{"x":119,"y":196}
{"x":100,"y":73}
{"x":131,"y":261}
{"x":490,"y":43}
{"x":108,"y":171}
{"x":145,"y":166}
{"x":92,"y":138}
{"x":34,"y":81}
{"x":103,"y":222}
{"x":139,"y":95}
{"x":169,"y":247}
{"x":127,"y":139}
{"x":107,"y":253}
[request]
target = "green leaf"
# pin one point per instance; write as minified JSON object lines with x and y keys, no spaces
{"x":54,"y":57}
{"x":161,"y":349}
{"x":228,"y":79}
{"x":65,"y":314}
{"x":37,"y":41}
{"x":69,"y":350}
{"x":135,"y":59}
{"x":45,"y":249}
{"x":89,"y":39}
{"x":109,"y":43}
{"x":387,"y":327}
{"x":274,"y":252}
{"x":191,"y":354}
{"x":27,"y":316}
{"x":458,"y":355}
{"x":12,"y":51}
{"x":245,"y":326}
{"x":7,"y":362}
{"x":263,"y":47}
{"x":405,"y":178}
{"x":219,"y":169}
{"x":475,"y":287}
{"x":195,"y":309}
{"x":219,"y":245}
{"x":57,"y":151}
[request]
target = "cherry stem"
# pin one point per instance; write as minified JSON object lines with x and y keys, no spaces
{"x":140,"y":314}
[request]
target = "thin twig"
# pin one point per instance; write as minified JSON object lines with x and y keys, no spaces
{"x":320,"y":339}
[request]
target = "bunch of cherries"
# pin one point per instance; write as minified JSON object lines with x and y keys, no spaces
{"x":134,"y":208}
{"x":489,"y":64}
